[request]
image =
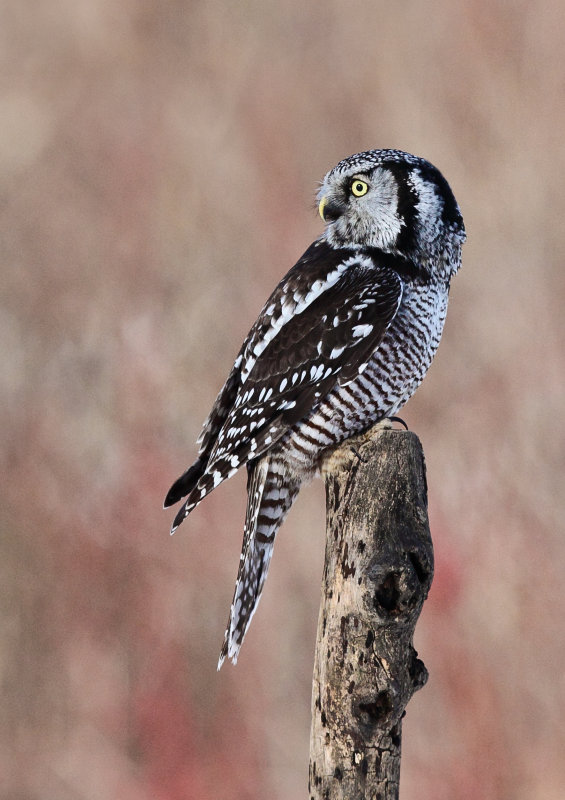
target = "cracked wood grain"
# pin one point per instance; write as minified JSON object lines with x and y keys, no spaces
{"x":378,"y":571}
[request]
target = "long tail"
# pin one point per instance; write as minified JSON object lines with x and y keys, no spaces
{"x":270,"y":494}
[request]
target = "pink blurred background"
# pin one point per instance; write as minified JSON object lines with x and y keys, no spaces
{"x":158,"y":166}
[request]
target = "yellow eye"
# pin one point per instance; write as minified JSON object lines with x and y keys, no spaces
{"x":359,"y":188}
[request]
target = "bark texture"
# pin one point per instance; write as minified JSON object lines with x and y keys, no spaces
{"x":378,"y":571}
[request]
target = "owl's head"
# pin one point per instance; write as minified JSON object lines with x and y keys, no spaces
{"x":396,"y":202}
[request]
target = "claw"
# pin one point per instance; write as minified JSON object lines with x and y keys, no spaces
{"x":400,"y":420}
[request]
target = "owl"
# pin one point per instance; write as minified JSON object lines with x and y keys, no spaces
{"x":343,"y":341}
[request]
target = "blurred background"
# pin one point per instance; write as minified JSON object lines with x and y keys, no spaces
{"x":158,"y":168}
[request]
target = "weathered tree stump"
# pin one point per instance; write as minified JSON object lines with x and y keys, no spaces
{"x":378,"y":571}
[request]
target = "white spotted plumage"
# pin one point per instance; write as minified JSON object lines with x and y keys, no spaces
{"x":343,"y":341}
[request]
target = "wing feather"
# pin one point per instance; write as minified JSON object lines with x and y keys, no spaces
{"x":319,"y":327}
{"x":326,"y":340}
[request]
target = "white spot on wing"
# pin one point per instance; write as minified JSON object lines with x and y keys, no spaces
{"x":316,"y":372}
{"x":360,"y":331}
{"x":337,"y":351}
{"x":290,"y":307}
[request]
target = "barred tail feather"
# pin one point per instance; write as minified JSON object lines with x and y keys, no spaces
{"x":270,"y":495}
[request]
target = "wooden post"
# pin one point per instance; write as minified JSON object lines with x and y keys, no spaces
{"x":378,"y":571}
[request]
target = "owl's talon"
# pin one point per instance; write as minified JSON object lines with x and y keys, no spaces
{"x":400,"y":421}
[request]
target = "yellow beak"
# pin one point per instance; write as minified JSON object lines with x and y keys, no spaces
{"x":323,"y":203}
